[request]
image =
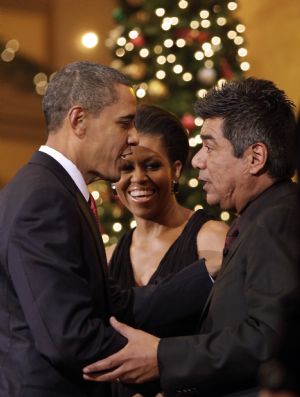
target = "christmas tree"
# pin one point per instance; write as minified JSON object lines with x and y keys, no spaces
{"x":173,"y":51}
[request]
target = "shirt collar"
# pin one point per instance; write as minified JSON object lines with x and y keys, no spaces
{"x":263,"y":200}
{"x":70,"y":168}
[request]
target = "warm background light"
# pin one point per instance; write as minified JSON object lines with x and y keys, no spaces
{"x":89,"y":40}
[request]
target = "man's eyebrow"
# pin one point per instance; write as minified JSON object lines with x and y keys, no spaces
{"x":207,"y":137}
{"x":128,"y":117}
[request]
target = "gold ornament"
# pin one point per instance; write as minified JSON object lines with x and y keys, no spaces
{"x":142,"y":16}
{"x":135,"y":71}
{"x":117,"y":64}
{"x":157,"y":90}
{"x":115,"y":33}
{"x":116,"y":212}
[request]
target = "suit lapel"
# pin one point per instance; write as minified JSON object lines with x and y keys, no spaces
{"x":231,"y":252}
{"x":47,"y":161}
{"x":225,"y":262}
{"x":278,"y":190}
{"x":94,"y":228}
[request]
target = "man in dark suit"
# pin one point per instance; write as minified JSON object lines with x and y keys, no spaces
{"x":246,"y":162}
{"x":280,"y":376}
{"x":55,"y":301}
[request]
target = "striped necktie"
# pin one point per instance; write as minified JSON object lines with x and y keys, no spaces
{"x":93,"y":207}
{"x":231,"y":236}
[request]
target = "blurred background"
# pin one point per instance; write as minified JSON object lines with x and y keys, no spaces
{"x":39,"y":36}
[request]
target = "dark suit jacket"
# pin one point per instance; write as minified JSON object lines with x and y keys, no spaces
{"x":240,"y":323}
{"x":55,"y":300}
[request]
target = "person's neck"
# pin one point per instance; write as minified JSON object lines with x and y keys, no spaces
{"x":56,"y":141}
{"x":254,"y":190}
{"x":172,"y":217}
{"x":59,"y":142}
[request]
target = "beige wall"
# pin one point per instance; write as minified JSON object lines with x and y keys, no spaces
{"x":21,"y":129}
{"x":50,"y":30}
{"x":70,"y":20}
{"x":273,"y":41}
{"x":17,"y":23}
{"x":14,"y":153}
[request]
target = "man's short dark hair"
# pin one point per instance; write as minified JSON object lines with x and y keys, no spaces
{"x":255,"y":110}
{"x":86,"y":84}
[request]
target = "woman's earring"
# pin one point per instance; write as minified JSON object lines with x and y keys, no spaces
{"x":175,"y":187}
{"x":114,"y":190}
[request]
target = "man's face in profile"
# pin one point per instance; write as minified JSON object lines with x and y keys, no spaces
{"x":219,"y":170}
{"x":110,"y":134}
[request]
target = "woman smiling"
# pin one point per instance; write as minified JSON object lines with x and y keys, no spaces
{"x":167,"y":236}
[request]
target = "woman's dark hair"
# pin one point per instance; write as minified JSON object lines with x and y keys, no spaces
{"x":153,"y":120}
{"x":255,"y":110}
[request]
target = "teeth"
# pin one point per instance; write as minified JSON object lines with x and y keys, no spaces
{"x":124,"y":155}
{"x":141,"y":193}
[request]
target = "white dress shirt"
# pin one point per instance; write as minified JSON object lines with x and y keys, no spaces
{"x":70,"y":167}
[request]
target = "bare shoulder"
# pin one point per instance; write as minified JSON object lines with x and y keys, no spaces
{"x":109,"y":251}
{"x":212,"y":235}
{"x":210,"y":245}
{"x":214,"y":227}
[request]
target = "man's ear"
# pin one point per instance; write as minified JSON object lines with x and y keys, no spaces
{"x":77,"y":120}
{"x":257,"y":156}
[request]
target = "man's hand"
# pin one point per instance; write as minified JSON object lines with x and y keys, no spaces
{"x":135,"y":363}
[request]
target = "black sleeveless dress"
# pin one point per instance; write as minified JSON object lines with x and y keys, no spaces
{"x":181,"y":253}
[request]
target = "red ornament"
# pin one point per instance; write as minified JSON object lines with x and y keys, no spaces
{"x":139,"y":41}
{"x":226,"y":70}
{"x":185,"y":34}
{"x":188,"y":121}
{"x":192,"y":35}
{"x":202,"y":37}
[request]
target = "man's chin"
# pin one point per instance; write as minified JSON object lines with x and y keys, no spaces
{"x":112,"y":178}
{"x":212,"y":199}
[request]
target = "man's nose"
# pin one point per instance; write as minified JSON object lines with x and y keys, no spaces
{"x":133,"y":137}
{"x":198,"y":161}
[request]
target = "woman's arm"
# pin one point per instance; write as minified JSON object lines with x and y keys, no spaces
{"x":210,"y":244}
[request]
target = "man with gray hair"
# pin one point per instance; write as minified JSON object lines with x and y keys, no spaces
{"x":245,"y":163}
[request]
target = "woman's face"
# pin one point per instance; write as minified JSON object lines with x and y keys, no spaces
{"x":145,"y":186}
